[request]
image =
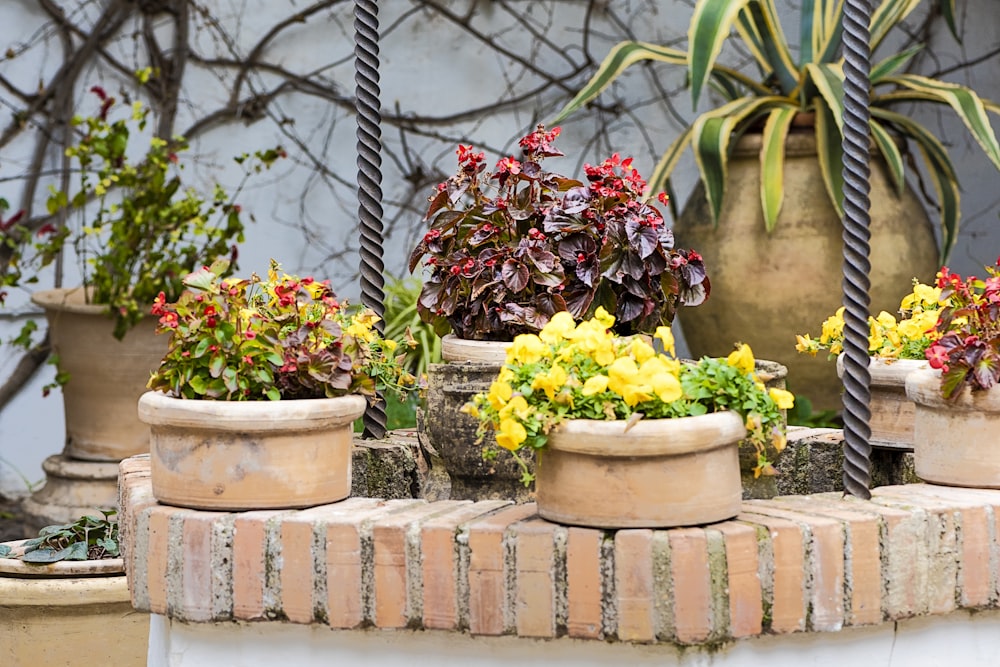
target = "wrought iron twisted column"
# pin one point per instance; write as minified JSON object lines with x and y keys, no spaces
{"x":857,"y":267}
{"x":369,"y":146}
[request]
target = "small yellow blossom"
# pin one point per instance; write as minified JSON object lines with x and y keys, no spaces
{"x":550,"y":382}
{"x":667,"y":337}
{"x":604,"y":318}
{"x":558,"y":328}
{"x":742,"y":358}
{"x":783,"y":399}
{"x":595,"y":385}
{"x":511,"y":434}
{"x":526,"y":349}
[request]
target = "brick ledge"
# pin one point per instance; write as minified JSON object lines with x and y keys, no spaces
{"x":814,"y":563}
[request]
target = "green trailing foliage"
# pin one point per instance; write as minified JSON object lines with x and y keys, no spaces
{"x":88,"y":538}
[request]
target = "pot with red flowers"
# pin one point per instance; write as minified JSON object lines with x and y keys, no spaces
{"x":506,"y":250}
{"x":957,"y":399}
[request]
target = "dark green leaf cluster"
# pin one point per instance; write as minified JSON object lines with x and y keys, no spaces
{"x":88,"y":538}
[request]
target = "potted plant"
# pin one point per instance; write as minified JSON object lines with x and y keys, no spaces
{"x":957,"y":403}
{"x":62,"y":592}
{"x":897,"y":348}
{"x":627,"y":436}
{"x":508,"y":249}
{"x":769,"y":160}
{"x":254,"y":403}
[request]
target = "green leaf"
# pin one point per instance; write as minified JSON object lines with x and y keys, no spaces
{"x":42,"y":556}
{"x":197,"y":383}
{"x":659,"y":181}
{"x":830,"y":152}
{"x":947,"y":9}
{"x":965,"y":102}
{"x":829,"y":81}
{"x":710,"y":25}
{"x":273,"y":394}
{"x":5,"y":550}
{"x":889,"y":66}
{"x":772,"y":163}
{"x":890,"y":153}
{"x":759,"y":26}
{"x":887,"y":15}
{"x":216,"y":364}
{"x":941,"y":171}
{"x":201,"y":348}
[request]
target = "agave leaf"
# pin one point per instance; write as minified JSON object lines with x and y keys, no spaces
{"x":890,"y":153}
{"x":965,"y":102}
{"x":830,"y":152}
{"x":947,"y":9}
{"x":829,"y":81}
{"x":758,"y":25}
{"x":709,"y":28}
{"x":772,"y":163}
{"x":890,"y":65}
{"x":828,"y":32}
{"x":940,"y":169}
{"x":617,"y":61}
{"x":885,"y":16}
{"x":710,"y":138}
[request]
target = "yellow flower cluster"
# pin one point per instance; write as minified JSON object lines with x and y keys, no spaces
{"x":571,"y":370}
{"x":888,"y":338}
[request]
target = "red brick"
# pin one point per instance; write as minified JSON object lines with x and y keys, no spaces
{"x":788,"y":593}
{"x":583,"y":583}
{"x":439,"y":563}
{"x":634,"y":586}
{"x":691,"y":581}
{"x":391,"y":571}
{"x":249,"y":568}
{"x":535,"y":563}
{"x":746,"y":611}
{"x":158,"y":556}
{"x":488,"y":605}
{"x":197,"y":572}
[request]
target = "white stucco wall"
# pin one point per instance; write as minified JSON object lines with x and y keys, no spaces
{"x":969,"y":640}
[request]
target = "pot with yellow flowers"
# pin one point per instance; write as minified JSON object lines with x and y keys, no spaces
{"x":254,"y":403}
{"x":509,"y":249}
{"x":957,"y":401}
{"x":897,"y":348}
{"x":627,"y":436}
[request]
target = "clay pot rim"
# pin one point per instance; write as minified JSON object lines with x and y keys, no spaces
{"x":68,"y":300}
{"x":158,"y":409}
{"x":455,"y":349}
{"x":923,"y":387}
{"x":13,"y":567}
{"x":649,"y":437}
{"x":887,"y":372}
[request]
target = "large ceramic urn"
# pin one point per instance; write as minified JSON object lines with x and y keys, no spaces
{"x":769,"y":286}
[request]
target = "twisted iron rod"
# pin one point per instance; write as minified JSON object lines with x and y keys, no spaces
{"x":857,"y":267}
{"x":366,"y":78}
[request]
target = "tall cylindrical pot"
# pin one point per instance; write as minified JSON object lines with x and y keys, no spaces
{"x":106,"y":375}
{"x":221,"y":455}
{"x":955,"y":440}
{"x":657,"y":474}
{"x":768,"y":286}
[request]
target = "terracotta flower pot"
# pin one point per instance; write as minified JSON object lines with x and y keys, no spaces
{"x":106,"y":376}
{"x":67,"y":612}
{"x":955,"y":440}
{"x":657,"y":474}
{"x":892,"y":413}
{"x":221,"y":455}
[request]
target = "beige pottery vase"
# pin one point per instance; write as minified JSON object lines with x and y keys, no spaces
{"x":69,"y":613}
{"x":659,"y":473}
{"x":769,"y":286}
{"x":892,"y":413}
{"x":106,"y":376}
{"x":221,"y":455}
{"x":955,"y":440}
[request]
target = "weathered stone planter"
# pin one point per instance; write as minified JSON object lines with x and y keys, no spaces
{"x":472,"y":368}
{"x":892,"y":413}
{"x":69,"y":613}
{"x":955,"y":440}
{"x":773,"y":375}
{"x":660,"y":473}
{"x":250,"y":455}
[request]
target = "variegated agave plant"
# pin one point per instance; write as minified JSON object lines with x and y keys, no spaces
{"x":811,"y":83}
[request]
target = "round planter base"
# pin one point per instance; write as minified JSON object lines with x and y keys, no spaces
{"x":72,"y":489}
{"x":680,"y":472}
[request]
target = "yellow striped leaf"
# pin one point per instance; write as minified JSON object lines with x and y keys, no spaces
{"x":890,"y":153}
{"x":758,"y":25}
{"x":885,"y":16}
{"x":709,"y":28}
{"x":830,"y":153}
{"x":829,"y":81}
{"x":660,"y":180}
{"x":772,"y":163}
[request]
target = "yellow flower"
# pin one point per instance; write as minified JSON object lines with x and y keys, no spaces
{"x":922,"y":296}
{"x":500,"y":392}
{"x":604,"y":318}
{"x":517,"y":407}
{"x":641,"y":350}
{"x":595,"y":385}
{"x":833,"y":327}
{"x":526,"y":349}
{"x":667,"y":387}
{"x":558,"y":328}
{"x":807,"y":344}
{"x":742,"y":359}
{"x":785,"y":400}
{"x":390,"y":345}
{"x":470,"y":409}
{"x":667,"y":336}
{"x":550,"y":382}
{"x":511,"y":434}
